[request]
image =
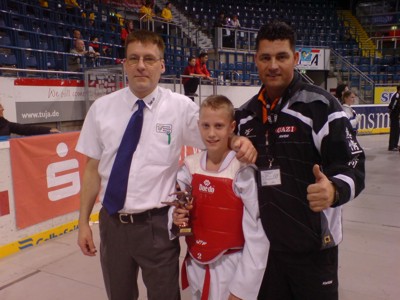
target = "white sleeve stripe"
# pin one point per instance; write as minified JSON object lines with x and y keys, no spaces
{"x":350,"y":182}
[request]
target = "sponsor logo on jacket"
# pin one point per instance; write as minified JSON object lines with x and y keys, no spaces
{"x":286,"y":129}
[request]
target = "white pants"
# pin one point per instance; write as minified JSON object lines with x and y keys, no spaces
{"x":221,"y":273}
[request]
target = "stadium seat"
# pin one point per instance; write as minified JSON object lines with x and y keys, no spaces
{"x":5,"y":40}
{"x":31,"y":62}
{"x":9,"y":60}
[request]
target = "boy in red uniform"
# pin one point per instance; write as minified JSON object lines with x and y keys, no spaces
{"x":228,"y":250}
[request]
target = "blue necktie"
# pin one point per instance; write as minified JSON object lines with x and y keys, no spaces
{"x":114,"y":197}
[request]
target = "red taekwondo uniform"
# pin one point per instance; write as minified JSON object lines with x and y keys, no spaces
{"x":228,"y":249}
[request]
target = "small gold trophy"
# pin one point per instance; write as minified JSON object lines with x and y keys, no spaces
{"x":183,"y":199}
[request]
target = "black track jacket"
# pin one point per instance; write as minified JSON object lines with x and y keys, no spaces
{"x":311,"y":128}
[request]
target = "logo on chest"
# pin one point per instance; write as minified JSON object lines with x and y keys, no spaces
{"x":285,"y":131}
{"x":206,"y":187}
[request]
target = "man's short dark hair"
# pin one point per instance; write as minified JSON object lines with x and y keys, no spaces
{"x":202,"y":54}
{"x":276,"y":30}
{"x":146,"y":37}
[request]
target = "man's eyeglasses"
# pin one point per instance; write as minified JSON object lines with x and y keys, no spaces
{"x":147,"y":60}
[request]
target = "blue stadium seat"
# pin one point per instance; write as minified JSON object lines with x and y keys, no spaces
{"x":239,"y":66}
{"x":9,"y":60}
{"x":5,"y":40}
{"x":31,"y":62}
{"x":364,"y":68}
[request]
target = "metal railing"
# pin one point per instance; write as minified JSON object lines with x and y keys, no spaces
{"x":354,"y":76}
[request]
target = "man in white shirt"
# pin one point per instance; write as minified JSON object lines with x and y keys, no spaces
{"x":137,"y":235}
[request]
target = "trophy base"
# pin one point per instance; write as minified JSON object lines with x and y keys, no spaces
{"x":185,"y":231}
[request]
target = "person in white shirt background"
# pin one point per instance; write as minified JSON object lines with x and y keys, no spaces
{"x":348,"y":99}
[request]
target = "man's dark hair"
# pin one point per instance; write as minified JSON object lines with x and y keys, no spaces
{"x":276,"y":30}
{"x":339,"y":90}
{"x":145,"y":37}
{"x":202,"y":54}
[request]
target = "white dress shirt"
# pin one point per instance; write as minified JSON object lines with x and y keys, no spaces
{"x":170,"y":121}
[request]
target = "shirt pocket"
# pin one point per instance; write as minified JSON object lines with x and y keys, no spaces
{"x":163,"y":146}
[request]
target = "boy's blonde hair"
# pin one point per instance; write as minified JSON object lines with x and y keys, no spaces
{"x":217,"y":102}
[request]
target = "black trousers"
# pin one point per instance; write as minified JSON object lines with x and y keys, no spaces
{"x":293,"y":276}
{"x":191,"y":86}
{"x":394,"y":131}
{"x":145,"y":244}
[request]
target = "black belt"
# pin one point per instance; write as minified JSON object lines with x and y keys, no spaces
{"x":141,"y":217}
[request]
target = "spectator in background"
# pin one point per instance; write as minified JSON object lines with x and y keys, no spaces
{"x":76,"y":34}
{"x":72,"y":6}
{"x":234,"y":22}
{"x":190,"y":84}
{"x":77,"y":62}
{"x":342,"y":87}
{"x":116,"y":22}
{"x":93,"y":52}
{"x":44,"y":3}
{"x":201,"y":66}
{"x":347,"y":101}
{"x":166,"y":16}
{"x":394,"y":110}
{"x":166,"y":13}
{"x":221,"y":20}
{"x":91,"y":25}
{"x":146,"y":12}
{"x":128,"y":28}
{"x":7,"y":127}
{"x":97,"y":47}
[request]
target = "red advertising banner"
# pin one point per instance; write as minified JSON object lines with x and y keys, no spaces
{"x":4,"y":203}
{"x":47,"y":174}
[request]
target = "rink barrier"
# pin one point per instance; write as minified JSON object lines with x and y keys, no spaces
{"x":41,"y":237}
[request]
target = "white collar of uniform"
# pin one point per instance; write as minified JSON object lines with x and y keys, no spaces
{"x":149,"y":100}
{"x":203,"y":161}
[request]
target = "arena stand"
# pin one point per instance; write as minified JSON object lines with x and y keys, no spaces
{"x":33,"y":37}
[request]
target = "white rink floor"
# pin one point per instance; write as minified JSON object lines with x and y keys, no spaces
{"x":369,"y":265}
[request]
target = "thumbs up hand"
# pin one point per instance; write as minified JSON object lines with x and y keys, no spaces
{"x":320,"y":194}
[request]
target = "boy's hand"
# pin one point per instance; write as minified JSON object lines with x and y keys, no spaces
{"x":180,"y":217}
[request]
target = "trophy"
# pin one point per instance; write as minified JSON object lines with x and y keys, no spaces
{"x":183,"y":199}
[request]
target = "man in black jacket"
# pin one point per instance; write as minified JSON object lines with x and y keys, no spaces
{"x":394,"y":109}
{"x":309,"y":165}
{"x":7,"y":127}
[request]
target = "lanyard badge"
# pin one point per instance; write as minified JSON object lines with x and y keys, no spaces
{"x":269,"y":176}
